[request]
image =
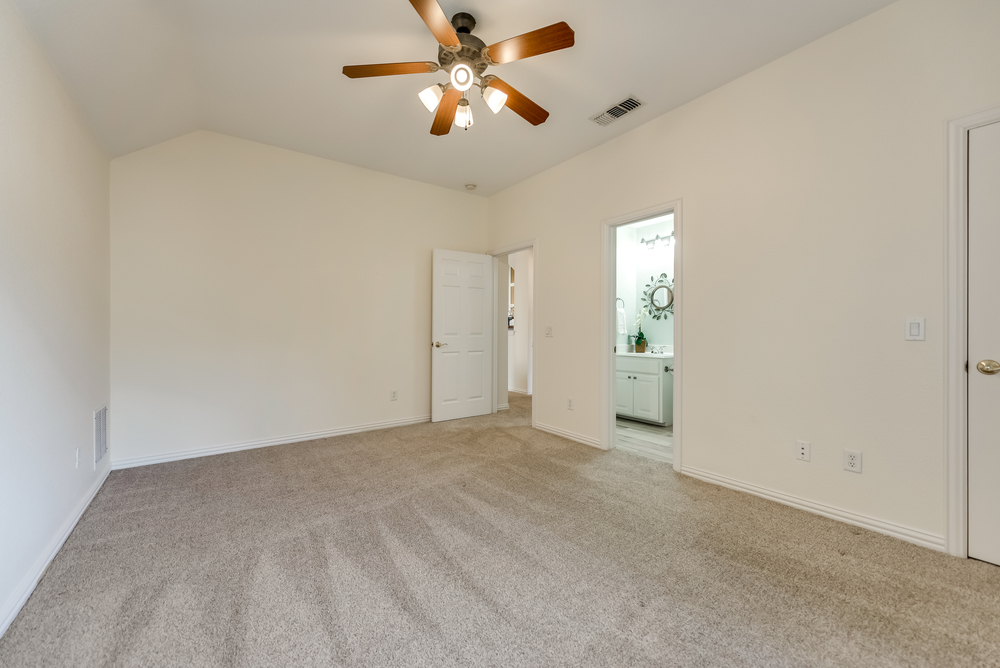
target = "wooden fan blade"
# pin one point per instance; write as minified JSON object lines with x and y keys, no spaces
{"x":388,"y":69}
{"x":432,"y":14}
{"x":446,"y":112}
{"x":520,"y":104}
{"x":552,"y":38}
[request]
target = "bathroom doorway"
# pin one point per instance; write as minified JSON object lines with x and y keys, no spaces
{"x":642,"y":336}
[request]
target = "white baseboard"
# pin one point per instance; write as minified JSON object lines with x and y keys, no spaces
{"x":16,"y":601}
{"x":522,"y":392}
{"x":586,"y":440}
{"x":250,"y":445}
{"x":916,"y":536}
{"x":503,"y":407}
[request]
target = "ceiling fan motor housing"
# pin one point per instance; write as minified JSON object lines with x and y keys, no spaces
{"x":471,"y":50}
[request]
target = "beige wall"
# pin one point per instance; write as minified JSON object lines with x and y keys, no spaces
{"x":813,"y":197}
{"x":260,"y":293}
{"x":54,"y":310}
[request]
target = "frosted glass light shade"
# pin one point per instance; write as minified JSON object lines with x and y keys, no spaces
{"x":431,"y":96}
{"x":463,"y":115}
{"x":461,"y":77}
{"x":495,"y":99}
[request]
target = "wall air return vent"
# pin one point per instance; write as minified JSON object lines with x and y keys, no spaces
{"x":100,"y":435}
{"x":614,"y":113}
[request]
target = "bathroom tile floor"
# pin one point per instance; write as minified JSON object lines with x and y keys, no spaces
{"x":645,"y":439}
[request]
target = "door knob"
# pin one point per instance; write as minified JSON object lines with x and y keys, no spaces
{"x":989,"y":367}
{"x":438,"y":344}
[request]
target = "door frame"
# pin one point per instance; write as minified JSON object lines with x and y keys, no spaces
{"x":957,"y":333}
{"x":507,"y":250}
{"x":609,"y":260}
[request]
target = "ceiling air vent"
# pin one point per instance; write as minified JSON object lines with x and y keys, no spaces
{"x":614,"y":113}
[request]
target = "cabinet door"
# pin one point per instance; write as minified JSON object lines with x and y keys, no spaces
{"x":623,"y":393}
{"x":646,"y":396}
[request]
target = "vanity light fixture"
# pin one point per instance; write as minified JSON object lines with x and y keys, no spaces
{"x":658,"y":241}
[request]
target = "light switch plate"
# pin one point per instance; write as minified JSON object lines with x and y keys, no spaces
{"x":916,"y":329}
{"x":548,"y":331}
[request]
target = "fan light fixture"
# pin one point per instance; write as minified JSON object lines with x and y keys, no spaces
{"x":463,"y":115}
{"x":461,"y":77}
{"x":431,"y":96}
{"x":465,"y":58}
{"x":495,"y":99}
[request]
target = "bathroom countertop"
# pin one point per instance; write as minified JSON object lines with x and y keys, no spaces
{"x":659,"y":355}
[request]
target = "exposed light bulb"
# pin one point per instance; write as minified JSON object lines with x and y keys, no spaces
{"x":431,"y":96}
{"x":463,"y":115}
{"x":495,"y":99}
{"x":461,"y":77}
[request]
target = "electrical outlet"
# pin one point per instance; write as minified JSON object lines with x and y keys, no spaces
{"x":78,"y":458}
{"x":393,"y":395}
{"x":803,"y":450}
{"x":569,"y":403}
{"x":852,"y":461}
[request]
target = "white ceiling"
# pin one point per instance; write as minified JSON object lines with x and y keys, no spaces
{"x":144,"y":71}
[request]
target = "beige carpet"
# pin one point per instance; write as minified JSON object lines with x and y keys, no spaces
{"x":483,"y":542}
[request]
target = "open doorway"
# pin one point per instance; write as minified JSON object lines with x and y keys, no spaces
{"x":515,"y":326}
{"x":520,"y":313}
{"x":644,"y":337}
{"x":641,"y":371}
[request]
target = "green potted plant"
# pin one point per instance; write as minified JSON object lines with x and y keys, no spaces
{"x":640,"y":338}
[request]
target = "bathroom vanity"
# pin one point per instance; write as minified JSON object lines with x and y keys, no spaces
{"x":644,"y":387}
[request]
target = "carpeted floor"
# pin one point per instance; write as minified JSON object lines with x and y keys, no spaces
{"x":483,"y":542}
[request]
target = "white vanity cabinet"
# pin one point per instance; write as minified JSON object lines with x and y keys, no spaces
{"x":644,"y":388}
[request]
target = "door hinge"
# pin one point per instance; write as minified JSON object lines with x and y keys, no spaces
{"x":966,"y":366}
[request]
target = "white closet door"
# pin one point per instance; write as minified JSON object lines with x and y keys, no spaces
{"x":462,"y":335}
{"x":984,"y":343}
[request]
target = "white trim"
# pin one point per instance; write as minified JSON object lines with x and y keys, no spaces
{"x":956,"y":332}
{"x":524,"y":392}
{"x":263,"y":443}
{"x":608,"y":260}
{"x":12,"y":606}
{"x":514,"y":248}
{"x":916,"y":536}
{"x":503,"y":407}
{"x":586,"y":440}
{"x":496,"y":329}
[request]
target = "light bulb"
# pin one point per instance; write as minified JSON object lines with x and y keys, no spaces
{"x":461,"y":77}
{"x":463,"y":115}
{"x":431,"y":97}
{"x":495,"y":99}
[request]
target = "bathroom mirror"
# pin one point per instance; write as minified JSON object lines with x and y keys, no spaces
{"x":659,"y":297}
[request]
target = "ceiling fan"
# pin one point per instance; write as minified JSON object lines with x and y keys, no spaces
{"x":465,"y":57}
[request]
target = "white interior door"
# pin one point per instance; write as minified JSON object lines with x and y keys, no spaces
{"x":984,"y":343}
{"x":462,"y":335}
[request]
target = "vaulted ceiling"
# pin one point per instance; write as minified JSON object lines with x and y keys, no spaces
{"x":144,"y":71}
